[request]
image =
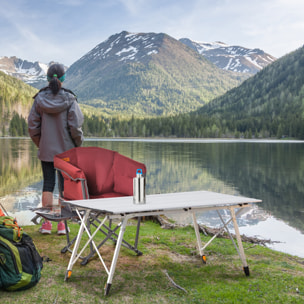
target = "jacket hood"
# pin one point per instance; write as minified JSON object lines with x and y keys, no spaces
{"x":53,"y":104}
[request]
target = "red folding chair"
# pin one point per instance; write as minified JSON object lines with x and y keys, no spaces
{"x":93,"y":172}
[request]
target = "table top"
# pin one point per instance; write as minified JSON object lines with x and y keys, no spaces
{"x":164,"y":202}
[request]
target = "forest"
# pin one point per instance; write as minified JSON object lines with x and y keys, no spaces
{"x":194,"y":126}
{"x":184,"y":126}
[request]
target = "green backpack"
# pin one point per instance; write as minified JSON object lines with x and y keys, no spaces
{"x":20,"y":262}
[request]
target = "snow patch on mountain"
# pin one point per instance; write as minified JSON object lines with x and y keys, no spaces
{"x":135,"y":47}
{"x":124,"y":47}
{"x":231,"y":57}
{"x":33,"y":73}
{"x":131,"y":49}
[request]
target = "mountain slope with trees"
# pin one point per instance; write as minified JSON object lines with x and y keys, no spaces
{"x":147,"y":74}
{"x":271,"y":101}
{"x":16,"y":99}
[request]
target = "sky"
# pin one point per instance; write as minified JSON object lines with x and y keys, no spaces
{"x":65,"y":30}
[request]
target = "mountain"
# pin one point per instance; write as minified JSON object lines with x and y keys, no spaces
{"x":32,"y":73}
{"x":147,"y":74}
{"x":231,"y":58}
{"x":272,"y":100}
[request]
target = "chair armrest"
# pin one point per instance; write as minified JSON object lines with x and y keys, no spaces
{"x":75,"y":183}
{"x":68,"y":170}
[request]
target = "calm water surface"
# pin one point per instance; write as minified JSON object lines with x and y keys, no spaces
{"x":271,"y":171}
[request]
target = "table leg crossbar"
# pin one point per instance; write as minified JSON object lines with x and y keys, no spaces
{"x":75,"y":255}
{"x":119,"y":242}
{"x":227,"y":229}
{"x":239,"y":248}
{"x":112,"y":232}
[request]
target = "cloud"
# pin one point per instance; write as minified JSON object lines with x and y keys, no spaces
{"x":276,"y":26}
{"x":71,"y":2}
{"x":133,"y":7}
{"x":64,"y":30}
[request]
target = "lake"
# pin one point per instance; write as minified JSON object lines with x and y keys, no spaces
{"x":272,"y":171}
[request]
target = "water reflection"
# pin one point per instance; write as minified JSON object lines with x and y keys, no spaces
{"x":19,"y":166}
{"x":19,"y":203}
{"x":272,"y":172}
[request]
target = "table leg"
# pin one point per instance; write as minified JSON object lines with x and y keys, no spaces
{"x":115,"y":256}
{"x":239,"y":241}
{"x":198,"y":238}
{"x":74,"y":256}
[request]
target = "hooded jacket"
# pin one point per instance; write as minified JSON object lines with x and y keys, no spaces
{"x":54,"y":123}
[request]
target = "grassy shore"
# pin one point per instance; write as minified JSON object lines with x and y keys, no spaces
{"x":169,"y":261}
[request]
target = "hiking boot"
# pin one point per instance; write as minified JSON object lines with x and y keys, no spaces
{"x":61,"y":228}
{"x":46,"y":228}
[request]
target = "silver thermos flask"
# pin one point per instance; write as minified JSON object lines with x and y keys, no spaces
{"x":139,"y":188}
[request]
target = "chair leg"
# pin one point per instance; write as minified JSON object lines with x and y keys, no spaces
{"x":137,"y":235}
{"x":67,"y":231}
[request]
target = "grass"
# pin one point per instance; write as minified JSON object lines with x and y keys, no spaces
{"x":274,"y":277}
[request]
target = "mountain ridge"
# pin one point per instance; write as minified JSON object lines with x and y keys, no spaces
{"x":34,"y":73}
{"x":232,"y":57}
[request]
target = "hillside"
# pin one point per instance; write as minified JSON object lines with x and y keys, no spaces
{"x":147,"y":74}
{"x":15,"y":102}
{"x":272,"y":99}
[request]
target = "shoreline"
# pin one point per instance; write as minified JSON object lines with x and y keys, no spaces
{"x":180,"y":139}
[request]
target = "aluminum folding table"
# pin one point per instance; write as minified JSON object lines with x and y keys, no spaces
{"x":122,"y":208}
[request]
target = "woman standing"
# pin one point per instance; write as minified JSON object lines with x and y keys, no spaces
{"x":54,"y":124}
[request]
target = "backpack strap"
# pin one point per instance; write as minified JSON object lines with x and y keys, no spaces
{"x":43,"y":89}
{"x":8,"y":222}
{"x":69,"y":91}
{"x":11,"y":224}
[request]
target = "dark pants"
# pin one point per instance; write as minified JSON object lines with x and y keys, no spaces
{"x":49,"y":177}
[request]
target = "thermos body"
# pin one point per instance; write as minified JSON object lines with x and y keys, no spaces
{"x":139,"y":188}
